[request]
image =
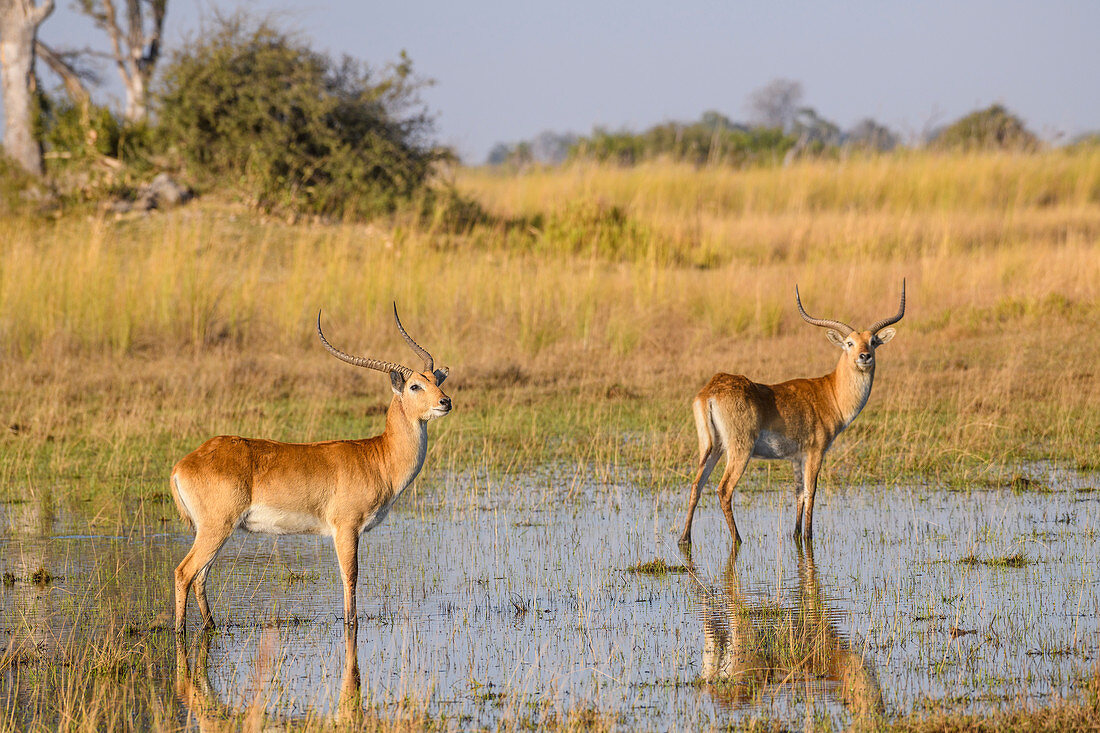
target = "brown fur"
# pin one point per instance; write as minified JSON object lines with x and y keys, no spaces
{"x":336,"y":487}
{"x":797,"y":420}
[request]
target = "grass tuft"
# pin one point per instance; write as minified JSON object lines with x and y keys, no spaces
{"x":1017,"y":560}
{"x":656,"y":568}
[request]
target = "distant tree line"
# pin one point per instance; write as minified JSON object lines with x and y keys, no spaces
{"x":780,"y":129}
{"x":252,"y":111}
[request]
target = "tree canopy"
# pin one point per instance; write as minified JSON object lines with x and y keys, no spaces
{"x":991,"y":128}
{"x":293,"y":129}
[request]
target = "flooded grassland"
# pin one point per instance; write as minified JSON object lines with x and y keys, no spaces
{"x":532,"y":605}
{"x":953,"y":567}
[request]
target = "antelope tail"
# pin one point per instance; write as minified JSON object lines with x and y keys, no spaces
{"x":173,"y":482}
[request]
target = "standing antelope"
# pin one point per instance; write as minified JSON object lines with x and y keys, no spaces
{"x":339,"y":488}
{"x":795,"y":420}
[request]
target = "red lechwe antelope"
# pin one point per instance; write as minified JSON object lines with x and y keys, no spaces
{"x":795,"y":420}
{"x":339,"y":488}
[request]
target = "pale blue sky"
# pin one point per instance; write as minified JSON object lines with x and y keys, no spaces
{"x":506,"y":71}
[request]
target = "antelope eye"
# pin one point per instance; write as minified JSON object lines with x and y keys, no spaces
{"x":414,"y":388}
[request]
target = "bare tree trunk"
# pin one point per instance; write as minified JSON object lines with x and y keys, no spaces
{"x":135,"y":51}
{"x":70,"y":77}
{"x":19,"y":21}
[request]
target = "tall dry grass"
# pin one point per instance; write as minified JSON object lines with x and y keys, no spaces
{"x":578,"y":320}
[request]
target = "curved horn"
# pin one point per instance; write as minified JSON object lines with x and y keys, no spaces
{"x":839,"y":325}
{"x":890,"y":321}
{"x":361,"y":361}
{"x":429,"y":362}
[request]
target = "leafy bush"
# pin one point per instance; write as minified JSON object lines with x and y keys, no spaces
{"x":74,"y":136}
{"x":292,"y":130}
{"x":994,"y":128}
{"x":67,"y":135}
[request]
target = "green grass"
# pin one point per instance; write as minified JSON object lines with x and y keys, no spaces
{"x":657,"y":568}
{"x":1017,"y":560}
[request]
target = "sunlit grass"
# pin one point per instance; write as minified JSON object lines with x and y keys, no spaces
{"x":578,"y":321}
{"x":658,"y":567}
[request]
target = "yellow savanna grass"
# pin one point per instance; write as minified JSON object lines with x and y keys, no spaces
{"x":579,"y":318}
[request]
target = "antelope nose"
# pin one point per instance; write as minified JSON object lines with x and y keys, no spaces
{"x":445,"y":402}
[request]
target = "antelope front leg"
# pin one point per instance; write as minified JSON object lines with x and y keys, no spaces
{"x":799,"y":496}
{"x":347,"y":554}
{"x":809,"y":489}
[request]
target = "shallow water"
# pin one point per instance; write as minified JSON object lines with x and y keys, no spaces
{"x":511,"y":602}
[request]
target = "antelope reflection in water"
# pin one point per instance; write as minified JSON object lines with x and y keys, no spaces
{"x":194,"y":690}
{"x":750,"y":647}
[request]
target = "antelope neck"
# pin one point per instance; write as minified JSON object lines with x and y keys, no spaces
{"x":406,"y":441}
{"x":851,"y":388}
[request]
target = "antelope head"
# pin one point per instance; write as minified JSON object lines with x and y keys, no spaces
{"x":859,"y":346}
{"x":418,"y":392}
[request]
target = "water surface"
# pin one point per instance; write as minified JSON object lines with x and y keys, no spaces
{"x":511,"y":601}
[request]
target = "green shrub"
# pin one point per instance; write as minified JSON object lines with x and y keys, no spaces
{"x":994,"y":128}
{"x":292,"y":130}
{"x":72,"y":136}
{"x":66,"y":135}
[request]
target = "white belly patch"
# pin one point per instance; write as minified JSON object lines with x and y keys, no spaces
{"x":773,"y":445}
{"x":260,"y":518}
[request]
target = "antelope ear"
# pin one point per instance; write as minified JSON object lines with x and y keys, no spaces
{"x":397,"y":381}
{"x":835,"y":337}
{"x":441,"y":374}
{"x":884,"y":335}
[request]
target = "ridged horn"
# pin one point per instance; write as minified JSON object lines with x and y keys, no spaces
{"x":841,"y":326}
{"x":361,"y":361}
{"x":429,"y":362}
{"x":890,"y":321}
